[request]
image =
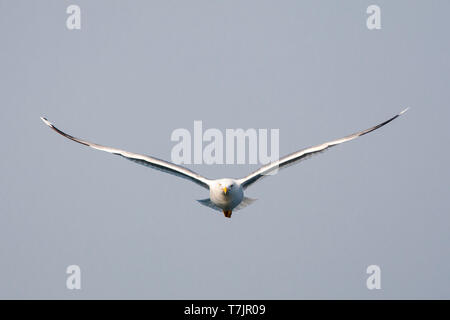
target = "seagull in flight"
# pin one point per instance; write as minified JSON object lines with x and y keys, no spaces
{"x":225,"y":194}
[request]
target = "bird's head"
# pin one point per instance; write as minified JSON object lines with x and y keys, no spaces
{"x":226,"y":186}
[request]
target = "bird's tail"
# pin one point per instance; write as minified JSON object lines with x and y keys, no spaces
{"x":207,"y":202}
{"x":245,"y":203}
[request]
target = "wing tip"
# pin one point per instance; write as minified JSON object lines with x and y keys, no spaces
{"x":403,"y":111}
{"x":46,"y":122}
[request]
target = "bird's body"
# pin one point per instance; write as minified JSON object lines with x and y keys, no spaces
{"x":225,"y":194}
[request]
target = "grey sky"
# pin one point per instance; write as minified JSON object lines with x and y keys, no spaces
{"x":137,"y":70}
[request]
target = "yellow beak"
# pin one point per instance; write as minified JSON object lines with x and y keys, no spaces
{"x":225,"y":190}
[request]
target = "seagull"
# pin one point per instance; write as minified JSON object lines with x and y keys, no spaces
{"x":225,"y":194}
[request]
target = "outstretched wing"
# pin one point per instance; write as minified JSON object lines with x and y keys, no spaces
{"x":304,"y":154}
{"x":141,"y":159}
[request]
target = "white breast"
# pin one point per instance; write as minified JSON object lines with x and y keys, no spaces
{"x":228,"y":201}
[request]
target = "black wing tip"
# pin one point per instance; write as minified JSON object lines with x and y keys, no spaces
{"x":44,"y":119}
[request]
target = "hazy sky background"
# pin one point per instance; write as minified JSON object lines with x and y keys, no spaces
{"x":137,"y":70}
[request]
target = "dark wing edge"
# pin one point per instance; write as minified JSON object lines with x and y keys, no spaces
{"x":306,"y":153}
{"x":148,"y":161}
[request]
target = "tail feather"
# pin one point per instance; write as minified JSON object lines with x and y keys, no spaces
{"x":208,"y":203}
{"x":244,"y":203}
